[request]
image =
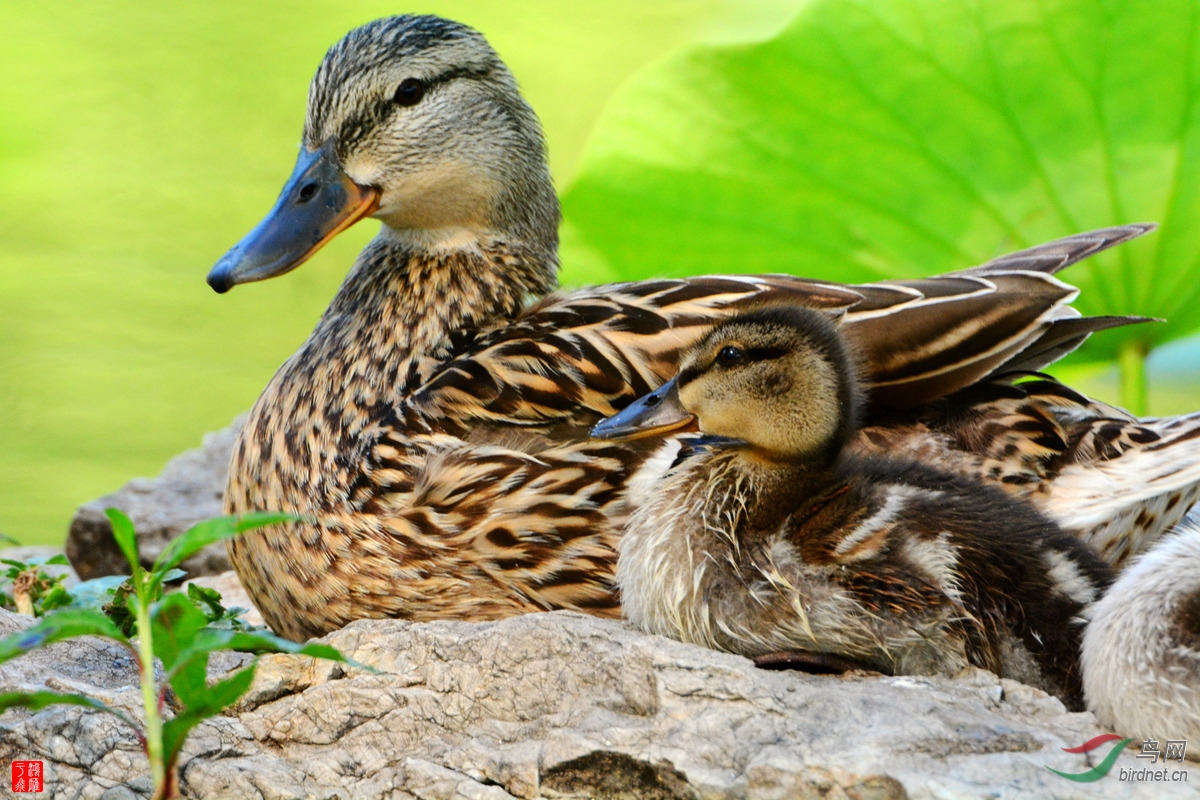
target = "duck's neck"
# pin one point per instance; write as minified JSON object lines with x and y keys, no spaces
{"x":388,"y":327}
{"x":404,"y":296}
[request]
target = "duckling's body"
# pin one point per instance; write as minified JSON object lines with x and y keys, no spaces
{"x":432,"y":430}
{"x":771,"y":537}
{"x":1141,"y":651}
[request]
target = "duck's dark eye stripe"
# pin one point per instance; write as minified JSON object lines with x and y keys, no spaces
{"x":460,"y":72}
{"x":412,"y":90}
{"x":688,"y":375}
{"x":764,"y":353}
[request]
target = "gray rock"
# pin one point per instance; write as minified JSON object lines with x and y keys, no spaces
{"x":189,"y":490}
{"x":565,"y":705}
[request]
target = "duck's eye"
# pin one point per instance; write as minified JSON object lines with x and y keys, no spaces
{"x":409,"y":92}
{"x":730,"y":354}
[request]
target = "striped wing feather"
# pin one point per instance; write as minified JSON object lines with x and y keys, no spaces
{"x":1050,"y":257}
{"x":578,"y":356}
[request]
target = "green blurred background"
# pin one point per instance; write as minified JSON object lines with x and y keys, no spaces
{"x":138,"y":142}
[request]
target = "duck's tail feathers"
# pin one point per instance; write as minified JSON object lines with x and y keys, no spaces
{"x":926,"y":338}
{"x":1062,"y":337}
{"x":1062,"y":253}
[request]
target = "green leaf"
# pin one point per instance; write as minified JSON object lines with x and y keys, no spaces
{"x":121,"y":608}
{"x":60,"y":625}
{"x":258,"y":642}
{"x":125,"y":537}
{"x":35,"y":701}
{"x":175,"y":622}
{"x":209,"y":601}
{"x":172,"y":575}
{"x":898,"y":138}
{"x":219,"y":696}
{"x":214,"y":530}
{"x":57,"y":597}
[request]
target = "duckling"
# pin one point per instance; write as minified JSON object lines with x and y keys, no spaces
{"x":432,"y":430}
{"x":766,"y":535}
{"x":1141,"y":650}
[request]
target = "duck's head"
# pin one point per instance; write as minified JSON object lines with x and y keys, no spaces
{"x":415,"y":121}
{"x":777,"y":381}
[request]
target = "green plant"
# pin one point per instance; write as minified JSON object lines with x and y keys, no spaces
{"x":34,"y":591}
{"x":876,"y":139}
{"x":179,"y":629}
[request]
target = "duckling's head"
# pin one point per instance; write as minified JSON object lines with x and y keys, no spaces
{"x":413,"y":120}
{"x":777,"y":380}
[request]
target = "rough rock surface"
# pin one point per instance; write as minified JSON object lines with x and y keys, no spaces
{"x":189,"y":490}
{"x":565,"y":705}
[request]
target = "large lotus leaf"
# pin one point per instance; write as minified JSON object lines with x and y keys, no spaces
{"x":897,"y":138}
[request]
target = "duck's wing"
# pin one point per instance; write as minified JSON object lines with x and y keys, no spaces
{"x":924,"y":339}
{"x":581,"y":355}
{"x":1118,"y":482}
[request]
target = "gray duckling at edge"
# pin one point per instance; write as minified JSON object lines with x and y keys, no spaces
{"x":764,"y":537}
{"x":1141,"y":651}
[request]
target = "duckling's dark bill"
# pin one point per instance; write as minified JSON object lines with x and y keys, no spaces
{"x":318,"y":202}
{"x":651,"y":415}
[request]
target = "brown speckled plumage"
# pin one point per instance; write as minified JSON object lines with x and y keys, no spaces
{"x":432,"y":429}
{"x":1120,"y":483}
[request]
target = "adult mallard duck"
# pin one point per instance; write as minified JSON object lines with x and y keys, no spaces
{"x":433,"y":428}
{"x":767,"y":536}
{"x":1141,"y":651}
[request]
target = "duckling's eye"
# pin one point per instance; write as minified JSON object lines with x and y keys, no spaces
{"x":409,"y":92}
{"x":730,"y":354}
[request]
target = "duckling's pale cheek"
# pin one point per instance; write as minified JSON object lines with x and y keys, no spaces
{"x":724,"y":419}
{"x":776,"y":383}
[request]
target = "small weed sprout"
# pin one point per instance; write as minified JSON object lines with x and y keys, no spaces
{"x":179,"y":629}
{"x":34,"y":591}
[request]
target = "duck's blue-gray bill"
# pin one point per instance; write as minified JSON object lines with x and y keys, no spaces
{"x":318,"y":202}
{"x":656,"y":413}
